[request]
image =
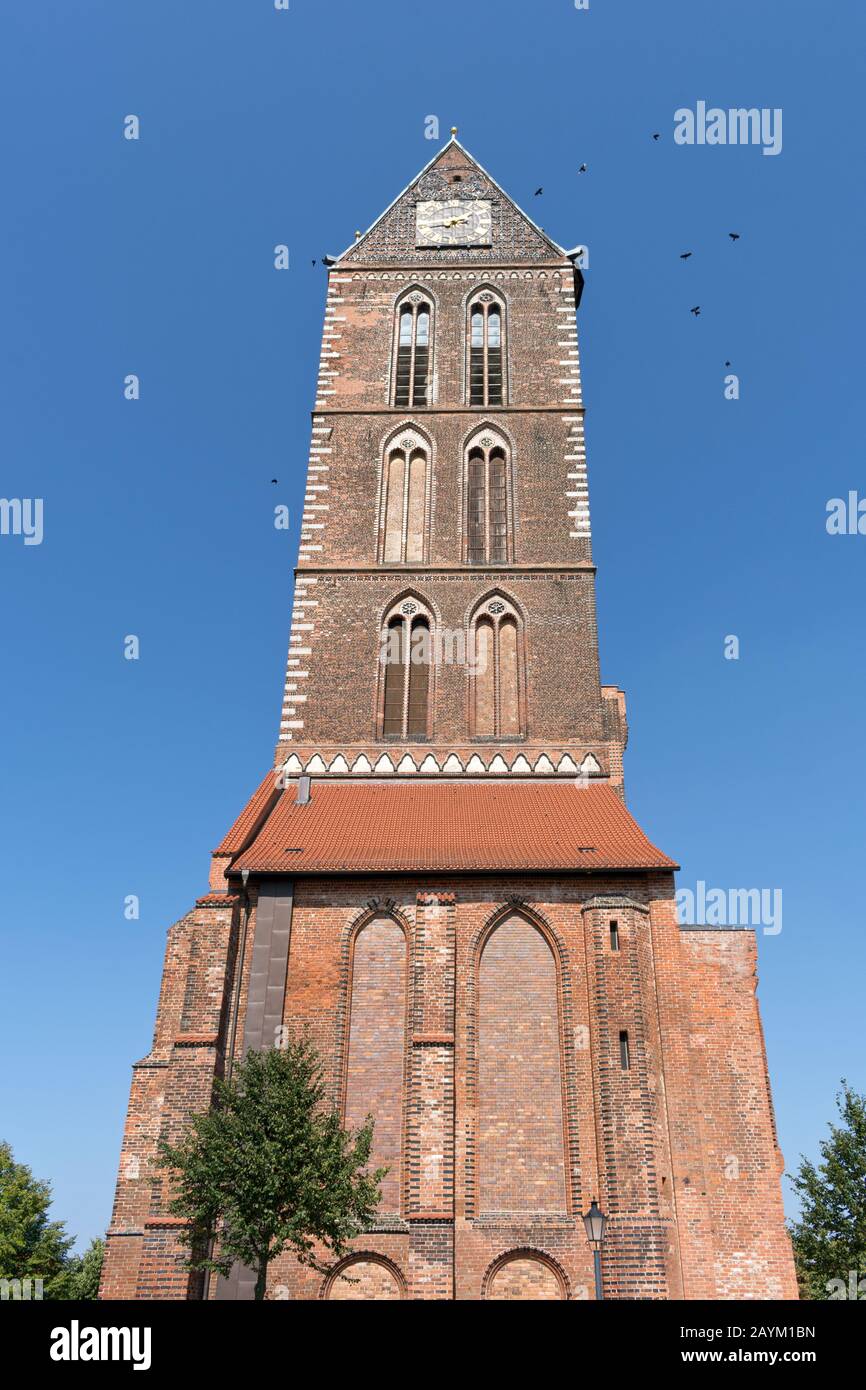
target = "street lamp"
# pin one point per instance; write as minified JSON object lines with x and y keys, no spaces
{"x":595,"y":1222}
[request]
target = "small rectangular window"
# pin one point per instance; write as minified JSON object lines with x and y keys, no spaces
{"x":614,"y":936}
{"x":624,"y":1053}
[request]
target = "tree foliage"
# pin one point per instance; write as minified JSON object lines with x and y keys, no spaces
{"x":270,"y":1168}
{"x":31,"y":1245}
{"x":86,"y":1271}
{"x":830,"y":1236}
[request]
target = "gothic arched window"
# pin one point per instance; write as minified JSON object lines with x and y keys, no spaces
{"x":405,"y":655}
{"x":497,"y":700}
{"x":486,"y":350}
{"x":413,"y":338}
{"x":405,"y":477}
{"x":374,"y":1079}
{"x":488,"y":531}
{"x":520,"y":1143}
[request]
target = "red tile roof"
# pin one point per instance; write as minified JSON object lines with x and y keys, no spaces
{"x":388,"y":827}
{"x":249,"y":820}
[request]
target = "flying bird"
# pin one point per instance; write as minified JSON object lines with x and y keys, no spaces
{"x":582,"y":169}
{"x":685,"y":255}
{"x":273,"y":480}
{"x":696,"y":310}
{"x":657,"y":134}
{"x":312,"y":262}
{"x":537,"y":192}
{"x":735,"y":236}
{"x":727,"y":364}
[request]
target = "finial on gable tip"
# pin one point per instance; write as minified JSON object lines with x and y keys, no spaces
{"x":357,"y":236}
{"x":454,"y":130}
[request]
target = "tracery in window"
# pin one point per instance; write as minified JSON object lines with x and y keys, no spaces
{"x":487,"y":540}
{"x":486,"y":350}
{"x":405,"y":479}
{"x":413,"y":335}
{"x":496,"y":672}
{"x":406,"y":660}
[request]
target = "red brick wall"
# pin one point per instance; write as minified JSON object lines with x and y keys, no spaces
{"x":742,"y":1164}
{"x":620,"y":1141}
{"x":143,"y":1255}
{"x":653,"y":1145}
{"x":563,"y":702}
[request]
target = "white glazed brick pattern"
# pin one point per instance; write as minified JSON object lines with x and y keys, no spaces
{"x":316,"y":505}
{"x":448,"y":764}
{"x":330,"y":356}
{"x":576,"y":483}
{"x":314,"y":520}
{"x":297,"y":668}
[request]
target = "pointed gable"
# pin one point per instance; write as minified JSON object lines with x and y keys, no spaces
{"x":497,"y":230}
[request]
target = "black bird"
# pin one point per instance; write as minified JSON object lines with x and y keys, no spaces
{"x":727,"y":364}
{"x":696,"y":310}
{"x":273,"y":480}
{"x":685,"y":255}
{"x":657,"y":134}
{"x":312,"y":262}
{"x":537,"y":192}
{"x":582,"y":169}
{"x":735,"y":236}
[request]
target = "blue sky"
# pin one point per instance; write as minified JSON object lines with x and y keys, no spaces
{"x":156,"y":257}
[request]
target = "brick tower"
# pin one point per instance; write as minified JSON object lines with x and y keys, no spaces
{"x":439,"y":878}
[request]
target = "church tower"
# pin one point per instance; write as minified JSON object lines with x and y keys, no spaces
{"x":439,"y":878}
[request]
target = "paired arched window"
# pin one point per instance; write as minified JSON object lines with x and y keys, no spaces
{"x":405,"y":487}
{"x":497,"y":700}
{"x":406,"y":660}
{"x":486,"y":350}
{"x":413,"y":334}
{"x":487,"y":502}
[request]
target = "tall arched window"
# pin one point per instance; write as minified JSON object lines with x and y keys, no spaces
{"x":376,"y":1046}
{"x":486,"y":350}
{"x":488,"y":529}
{"x":405,"y":486}
{"x":497,"y":699}
{"x":413,"y":335}
{"x":406,"y":659}
{"x":521,"y":1139}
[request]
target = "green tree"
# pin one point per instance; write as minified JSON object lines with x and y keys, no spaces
{"x":830,"y":1236}
{"x":85,"y":1272}
{"x":31,"y":1245}
{"x":270,"y":1168}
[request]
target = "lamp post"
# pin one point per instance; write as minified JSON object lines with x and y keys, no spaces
{"x":594,"y":1222}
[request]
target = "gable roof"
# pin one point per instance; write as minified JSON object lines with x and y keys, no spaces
{"x":391,"y":236}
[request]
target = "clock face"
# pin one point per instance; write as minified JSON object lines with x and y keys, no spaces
{"x":458,"y":223}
